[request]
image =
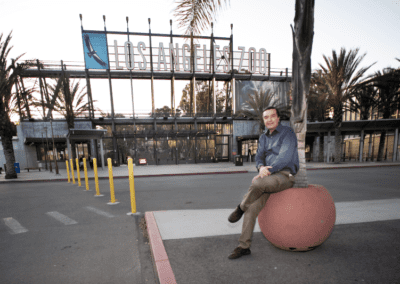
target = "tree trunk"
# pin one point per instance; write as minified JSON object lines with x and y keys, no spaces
{"x":381,"y":146}
{"x":321,"y":148}
{"x":303,"y":33}
{"x":8,"y":150}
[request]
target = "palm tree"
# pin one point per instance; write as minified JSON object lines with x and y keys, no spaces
{"x":317,"y":106}
{"x":259,"y":99}
{"x":195,"y":16}
{"x":70,"y":103}
{"x":341,"y":78}
{"x":199,"y":14}
{"x":388,"y":85}
{"x":8,"y":102}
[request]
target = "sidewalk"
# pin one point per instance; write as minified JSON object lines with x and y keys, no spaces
{"x":181,"y":169}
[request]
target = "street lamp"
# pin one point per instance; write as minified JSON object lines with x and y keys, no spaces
{"x":54,"y":147}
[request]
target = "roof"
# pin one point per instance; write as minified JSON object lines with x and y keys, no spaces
{"x":354,"y":126}
{"x":86,"y":133}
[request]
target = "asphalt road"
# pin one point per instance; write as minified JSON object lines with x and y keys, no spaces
{"x":93,"y":242}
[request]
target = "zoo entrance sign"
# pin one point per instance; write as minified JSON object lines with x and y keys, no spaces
{"x":170,"y":56}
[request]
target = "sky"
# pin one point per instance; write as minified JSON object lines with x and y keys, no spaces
{"x":50,"y":30}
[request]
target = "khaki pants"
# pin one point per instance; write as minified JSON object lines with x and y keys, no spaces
{"x":255,"y":200}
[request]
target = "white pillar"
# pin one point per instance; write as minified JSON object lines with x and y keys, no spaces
{"x":69,"y":149}
{"x":233,"y":96}
{"x":370,"y":147}
{"x":328,"y":144}
{"x":102,"y":153}
{"x":194,"y":95}
{"x":361,"y":149}
{"x":214,"y":98}
{"x":395,"y":142}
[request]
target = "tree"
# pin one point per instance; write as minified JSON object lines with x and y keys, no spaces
{"x":199,"y":14}
{"x":388,"y":84}
{"x":195,"y":16}
{"x":203,"y":102}
{"x":259,"y":99}
{"x":8,"y":101}
{"x":317,"y":106}
{"x":70,"y":103}
{"x":303,"y":34}
{"x":341,"y":77}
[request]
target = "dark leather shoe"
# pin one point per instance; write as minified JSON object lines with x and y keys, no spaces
{"x":238,"y":252}
{"x":236,"y":215}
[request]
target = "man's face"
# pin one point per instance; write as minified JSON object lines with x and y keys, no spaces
{"x":271,"y":119}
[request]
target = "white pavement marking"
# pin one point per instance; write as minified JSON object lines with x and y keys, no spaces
{"x":14,"y":226}
{"x":100,"y":212}
{"x":367,"y":211}
{"x":62,"y":218}
{"x":182,"y":224}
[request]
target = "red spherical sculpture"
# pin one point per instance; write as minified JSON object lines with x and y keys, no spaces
{"x":298,"y":219}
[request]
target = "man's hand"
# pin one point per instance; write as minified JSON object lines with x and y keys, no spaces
{"x":263,"y":173}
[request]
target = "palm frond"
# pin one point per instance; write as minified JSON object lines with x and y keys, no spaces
{"x":197,"y":15}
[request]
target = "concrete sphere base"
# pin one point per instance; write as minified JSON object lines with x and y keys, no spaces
{"x":298,"y":219}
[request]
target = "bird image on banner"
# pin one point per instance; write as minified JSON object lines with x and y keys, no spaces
{"x":91,"y":52}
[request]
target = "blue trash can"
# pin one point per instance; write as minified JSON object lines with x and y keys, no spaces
{"x":17,"y":169}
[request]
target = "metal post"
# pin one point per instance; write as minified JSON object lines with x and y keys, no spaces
{"x":395,"y":141}
{"x":173,"y":75}
{"x":153,"y":108}
{"x":370,"y":147}
{"x":47,"y":142}
{"x":67,"y":167}
{"x":54,"y":147}
{"x":214,"y":97}
{"x":361,"y":149}
{"x":194,"y":94}
{"x":131,"y":187}
{"x":233,"y":96}
{"x":113,"y":201}
{"x":44,"y":152}
{"x":130,"y":71}
{"x":86,"y":175}
{"x":40,"y":86}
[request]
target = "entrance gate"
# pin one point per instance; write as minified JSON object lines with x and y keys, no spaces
{"x":222,"y":147}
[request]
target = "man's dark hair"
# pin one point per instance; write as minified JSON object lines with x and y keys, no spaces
{"x":272,"y":107}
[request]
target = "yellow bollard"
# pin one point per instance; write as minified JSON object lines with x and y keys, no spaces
{"x":132,"y":186}
{"x":86,"y":176}
{"x":72,"y":171}
{"x":96,"y":178}
{"x":78,"y":172}
{"x":66,"y":163}
{"x":111,"y":179}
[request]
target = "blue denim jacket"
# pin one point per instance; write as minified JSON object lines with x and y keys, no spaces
{"x":278,"y":150}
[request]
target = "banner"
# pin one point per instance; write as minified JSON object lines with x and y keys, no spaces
{"x":95,"y":50}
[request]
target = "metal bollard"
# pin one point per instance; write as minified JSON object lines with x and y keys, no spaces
{"x":86,"y":176}
{"x":111,"y":179}
{"x":78,"y":172}
{"x":72,"y":171}
{"x":131,"y":187}
{"x":66,"y":163}
{"x":96,"y":178}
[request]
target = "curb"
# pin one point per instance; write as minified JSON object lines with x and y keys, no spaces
{"x":126,"y":177}
{"x":158,"y":252}
{"x":204,"y":173}
{"x":352,"y":167}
